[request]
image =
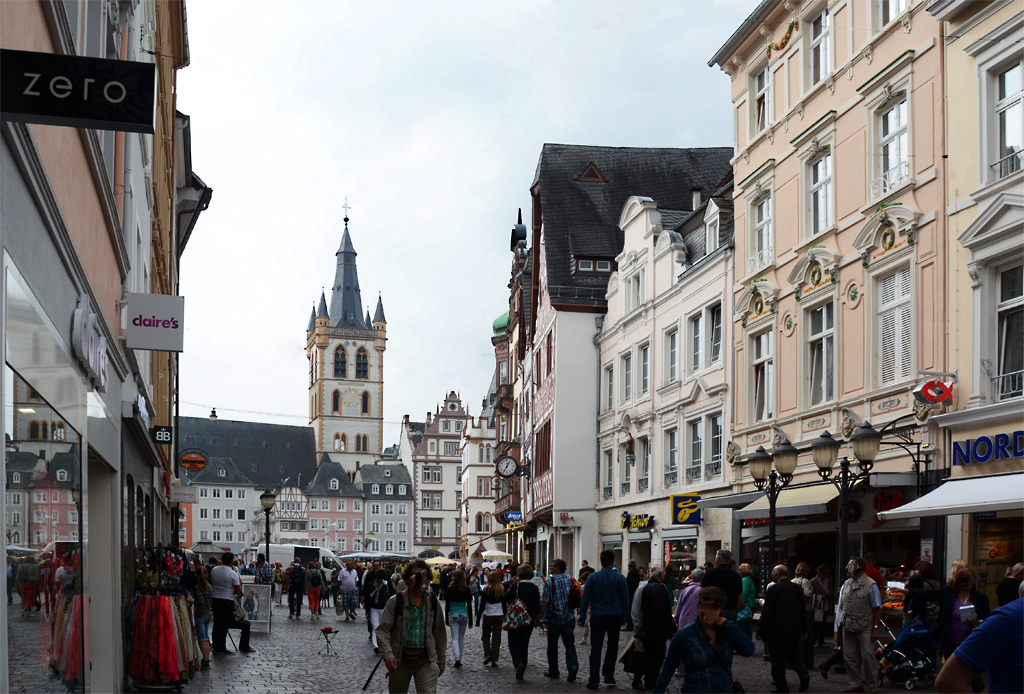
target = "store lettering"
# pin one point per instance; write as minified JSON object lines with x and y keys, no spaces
{"x":155,"y":322}
{"x":886,"y":503}
{"x":90,"y":347}
{"x":640,"y":521}
{"x":986,"y":448}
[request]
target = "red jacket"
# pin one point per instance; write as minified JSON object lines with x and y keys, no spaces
{"x":875,"y":575}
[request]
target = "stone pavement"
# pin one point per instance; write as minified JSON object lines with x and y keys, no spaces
{"x":286,"y":661}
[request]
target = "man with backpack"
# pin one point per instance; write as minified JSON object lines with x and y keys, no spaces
{"x":296,"y":589}
{"x":411,"y":635}
{"x":556,"y":609}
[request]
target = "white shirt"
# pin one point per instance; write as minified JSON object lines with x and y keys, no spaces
{"x":223,"y":580}
{"x":347,"y":579}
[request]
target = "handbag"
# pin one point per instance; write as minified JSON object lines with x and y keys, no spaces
{"x":632,"y":658}
{"x":737,"y":686}
{"x":517,"y":616}
{"x":744,"y":614}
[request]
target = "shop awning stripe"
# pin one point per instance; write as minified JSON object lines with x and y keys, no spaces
{"x":968,"y":495}
{"x":792,"y":502}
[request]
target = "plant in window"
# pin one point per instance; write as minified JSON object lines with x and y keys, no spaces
{"x":762,"y":96}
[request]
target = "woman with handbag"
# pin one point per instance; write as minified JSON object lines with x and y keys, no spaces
{"x":524,"y":606}
{"x":490,"y":616}
{"x":458,"y":612}
{"x":748,"y":601}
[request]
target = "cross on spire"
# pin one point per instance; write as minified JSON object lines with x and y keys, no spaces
{"x":346,"y":207}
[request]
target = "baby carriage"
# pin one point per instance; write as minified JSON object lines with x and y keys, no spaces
{"x":909,"y":659}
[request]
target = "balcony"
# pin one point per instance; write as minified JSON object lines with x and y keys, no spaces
{"x":625,"y":488}
{"x":508,"y":499}
{"x":714,"y":468}
{"x":1009,"y":164}
{"x":607,"y":493}
{"x":642,"y":484}
{"x":1008,"y":385}
{"x":693,"y":473}
{"x":890,"y":180}
{"x":761,"y":259}
{"x":671,"y":477}
{"x":504,"y":402}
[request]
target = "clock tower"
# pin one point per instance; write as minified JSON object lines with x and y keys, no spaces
{"x":345,"y":350}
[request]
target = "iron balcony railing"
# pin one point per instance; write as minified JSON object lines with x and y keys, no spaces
{"x":625,"y":487}
{"x":1009,"y":164}
{"x":760,"y":259}
{"x":608,"y":492}
{"x":714,"y":468}
{"x":1008,"y":385}
{"x":642,"y":484}
{"x":890,"y":180}
{"x":693,"y":472}
{"x":671,"y":477}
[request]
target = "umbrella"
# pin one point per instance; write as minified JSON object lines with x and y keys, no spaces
{"x":360,"y":556}
{"x":439,"y":561}
{"x":496,"y":555}
{"x":206,"y":547}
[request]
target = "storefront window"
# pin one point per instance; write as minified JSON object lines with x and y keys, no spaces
{"x":999,"y":547}
{"x":46,"y":638}
{"x":615,"y":546}
{"x":680,"y":554}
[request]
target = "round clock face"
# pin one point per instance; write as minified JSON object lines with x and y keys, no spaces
{"x":350,"y":396}
{"x":507,"y":466}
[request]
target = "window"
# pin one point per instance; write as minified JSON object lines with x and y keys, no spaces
{"x":389,"y":489}
{"x":216,"y":536}
{"x":357,"y":505}
{"x":16,"y":518}
{"x":375,"y":489}
{"x":204,"y":535}
{"x":335,"y":402}
{"x":549,"y":348}
{"x":357,"y":544}
{"x":437,"y":501}
{"x":645,"y":463}
{"x":763,"y":375}
{"x":762,"y":235}
{"x":425,"y":501}
{"x":891,"y":9}
{"x":715,"y":321}
{"x":671,"y":456}
{"x":401,"y":490}
{"x":446,"y":425}
{"x":1010,"y":116}
{"x":314,"y":524}
{"x":609,"y":466}
{"x":241,"y":493}
{"x":609,"y":380}
{"x":216,"y":513}
{"x":362,"y":363}
{"x":645,"y":369}
{"x":16,"y":498}
{"x":820,"y":66}
{"x":228,"y":514}
{"x":894,"y":327}
{"x":426,"y":473}
{"x":821,"y":351}
{"x":374,"y":509}
{"x":894,"y":155}
{"x":216,"y":492}
{"x":357,"y":525}
{"x":341,"y":544}
{"x":403,"y":528}
{"x":714,"y":467}
{"x":203,"y":513}
{"x":711,"y":240}
{"x":437,"y":473}
{"x":302,"y":526}
{"x":62,"y":475}
{"x":229,"y":493}
{"x":697,"y":357}
{"x":437,"y":528}
{"x":1011,"y":333}
{"x":340,"y":362}
{"x":222,"y":473}
{"x":389,"y":545}
{"x":821,"y":194}
{"x":433,"y":446}
{"x":334,"y":485}
{"x":402,"y":546}
{"x":426,"y":528}
{"x":344,"y":442}
{"x":240,"y":514}
{"x":586,"y":265}
{"x":672,"y":355}
{"x":627,"y":377}
{"x":403,"y":509}
{"x":389,"y":509}
{"x":762,"y":100}
{"x":483,"y":486}
{"x":341,"y":523}
{"x":604,"y":266}
{"x":458,"y":425}
{"x":16,"y":479}
{"x":447,"y":448}
{"x":488,"y":448}
{"x":693,"y":472}
{"x":341,"y":504}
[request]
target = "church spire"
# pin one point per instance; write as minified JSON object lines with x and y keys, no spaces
{"x":378,"y":316}
{"x":312,"y":319}
{"x":346,"y":302}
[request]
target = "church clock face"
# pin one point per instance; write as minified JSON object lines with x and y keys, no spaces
{"x":350,"y":396}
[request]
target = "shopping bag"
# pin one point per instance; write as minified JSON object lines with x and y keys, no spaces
{"x":632,"y":657}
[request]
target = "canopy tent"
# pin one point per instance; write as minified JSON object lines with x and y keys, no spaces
{"x":15,"y":549}
{"x":966,"y":495}
{"x":438,"y":561}
{"x":361,"y":556}
{"x":795,"y":501}
{"x":496,"y":555}
{"x":206,"y":547}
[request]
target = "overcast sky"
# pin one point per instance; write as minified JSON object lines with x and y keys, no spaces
{"x":430,"y":118}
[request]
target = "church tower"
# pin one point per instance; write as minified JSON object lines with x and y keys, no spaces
{"x":345,"y":349}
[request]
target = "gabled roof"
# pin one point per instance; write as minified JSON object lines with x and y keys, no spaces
{"x":580,"y":218}
{"x":416,"y":430}
{"x":378,"y":474}
{"x":210,"y":474}
{"x":321,"y":484}
{"x":264,"y":453}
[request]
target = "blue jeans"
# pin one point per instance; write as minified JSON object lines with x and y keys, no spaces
{"x":203,"y":622}
{"x":567,"y":632}
{"x":295,"y":600}
{"x":458,"y":623}
{"x":519,"y":645}
{"x":600,"y":626}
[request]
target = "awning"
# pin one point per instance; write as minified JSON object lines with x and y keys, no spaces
{"x":754,"y":538}
{"x":968,"y":495}
{"x":792,"y":502}
{"x":729,"y":500}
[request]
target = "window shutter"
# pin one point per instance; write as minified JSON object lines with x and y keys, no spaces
{"x":888,"y":342}
{"x":906,"y":345}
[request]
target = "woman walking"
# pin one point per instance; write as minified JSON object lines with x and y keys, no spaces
{"x":806,"y":646}
{"x":377,"y":600}
{"x":277,"y":587}
{"x":202,"y":608}
{"x":519,"y":639}
{"x":748,"y":602}
{"x":474,"y":587}
{"x":312,"y":585}
{"x":490,"y":616}
{"x":458,"y":612}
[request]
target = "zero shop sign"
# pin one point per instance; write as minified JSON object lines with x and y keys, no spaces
{"x":89,"y":346}
{"x":156,"y":322}
{"x":77,"y":92}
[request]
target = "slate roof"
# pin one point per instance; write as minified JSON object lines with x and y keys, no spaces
{"x":368,"y":475}
{"x":488,"y":404}
{"x":581,"y":218}
{"x":321,"y":312}
{"x":321,"y":484}
{"x":378,"y":315}
{"x":312,"y":320}
{"x":416,"y":430}
{"x":691,"y":227}
{"x":346,"y":301}
{"x":265,"y":453}
{"x":233,"y":475}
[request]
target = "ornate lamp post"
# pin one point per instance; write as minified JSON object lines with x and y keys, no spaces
{"x":865,"y":442}
{"x":267,"y":500}
{"x":772,"y":482}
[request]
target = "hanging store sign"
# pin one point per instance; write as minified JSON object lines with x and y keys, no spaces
{"x":90,"y":347}
{"x":513,"y":519}
{"x":156,"y":322}
{"x":935,"y":392}
{"x":184,"y":495}
{"x":640,"y":521}
{"x":987,"y":448}
{"x":162,"y":435}
{"x":685,"y":510}
{"x":77,"y":92}
{"x":193,"y":460}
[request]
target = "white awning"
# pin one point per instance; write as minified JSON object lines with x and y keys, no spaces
{"x":967,"y":495}
{"x":796,"y":501}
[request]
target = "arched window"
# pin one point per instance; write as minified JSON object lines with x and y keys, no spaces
{"x":488,"y":453}
{"x":366,"y":443}
{"x":359,"y":443}
{"x":58,"y":431}
{"x":337,"y":442}
{"x":479,"y":522}
{"x":344,"y":442}
{"x":335,"y":402}
{"x":33,"y":430}
{"x":334,"y":483}
{"x":487,"y":523}
{"x":362,"y":363}
{"x":366,"y":403}
{"x":340,"y":362}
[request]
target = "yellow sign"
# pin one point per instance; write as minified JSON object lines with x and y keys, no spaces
{"x":641,"y":521}
{"x":685,"y":510}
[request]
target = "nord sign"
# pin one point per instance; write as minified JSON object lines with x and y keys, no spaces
{"x":77,"y":92}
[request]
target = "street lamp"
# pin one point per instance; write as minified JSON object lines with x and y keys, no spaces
{"x":772,"y":482}
{"x":865,"y":442}
{"x":267,"y":501}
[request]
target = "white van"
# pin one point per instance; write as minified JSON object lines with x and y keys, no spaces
{"x":286,"y":553}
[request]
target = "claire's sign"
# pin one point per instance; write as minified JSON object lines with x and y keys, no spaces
{"x":90,"y":347}
{"x":77,"y":92}
{"x":156,"y":322}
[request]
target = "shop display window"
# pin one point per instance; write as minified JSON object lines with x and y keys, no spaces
{"x":999,"y":546}
{"x":46,"y":638}
{"x":679,"y":553}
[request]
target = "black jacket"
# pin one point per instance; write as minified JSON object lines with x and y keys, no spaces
{"x":486,"y":599}
{"x":632,"y":582}
{"x":452,"y":595}
{"x":1006,"y":591}
{"x":728,"y":580}
{"x":529,"y":593}
{"x":657,"y":610}
{"x":784,"y":615}
{"x":946,"y":597}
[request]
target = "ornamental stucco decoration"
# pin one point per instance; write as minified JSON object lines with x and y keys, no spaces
{"x":730,"y":452}
{"x":815,"y":258}
{"x":901,"y":219}
{"x":780,"y":45}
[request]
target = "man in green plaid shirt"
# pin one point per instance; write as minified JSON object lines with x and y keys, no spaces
{"x":411,"y":635}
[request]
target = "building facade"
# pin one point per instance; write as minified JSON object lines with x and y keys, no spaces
{"x":228,"y":501}
{"x":333,"y":509}
{"x":479,"y":520}
{"x":388,"y":508}
{"x":437,"y":470}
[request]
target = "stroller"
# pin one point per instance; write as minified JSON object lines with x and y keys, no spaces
{"x":909,"y":659}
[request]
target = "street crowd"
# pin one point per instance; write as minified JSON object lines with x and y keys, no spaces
{"x":689,"y":627}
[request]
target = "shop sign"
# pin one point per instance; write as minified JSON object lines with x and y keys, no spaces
{"x":750,"y":522}
{"x":513,"y":519}
{"x":986,"y":448}
{"x":935,"y":392}
{"x":184,"y":495}
{"x":156,"y":322}
{"x":640,"y":521}
{"x":193,"y":461}
{"x":999,"y":549}
{"x":77,"y":92}
{"x":886,"y":503}
{"x":983,"y":515}
{"x":162,"y":435}
{"x":685,"y":510}
{"x":90,"y":347}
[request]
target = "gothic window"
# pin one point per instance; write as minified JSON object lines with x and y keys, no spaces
{"x":366,"y":403}
{"x":344,"y":442}
{"x":335,"y":402}
{"x":340,"y":362}
{"x":362,"y":363}
{"x":479,"y":522}
{"x":337,"y":442}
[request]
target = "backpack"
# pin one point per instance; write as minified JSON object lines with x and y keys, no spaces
{"x":298,"y":576}
{"x":315,"y":579}
{"x":575,"y":594}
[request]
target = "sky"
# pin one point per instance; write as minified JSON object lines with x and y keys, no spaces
{"x":429,"y":118}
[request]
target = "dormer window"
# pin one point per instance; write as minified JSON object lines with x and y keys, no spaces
{"x":375,"y":489}
{"x":401,"y":489}
{"x":62,"y":475}
{"x":586,"y":265}
{"x":222,"y":472}
{"x":387,"y":473}
{"x":389,"y":490}
{"x":334,"y":484}
{"x":604,"y":266}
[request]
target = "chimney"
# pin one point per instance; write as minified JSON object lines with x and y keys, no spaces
{"x":428,"y":419}
{"x":696,"y":198}
{"x":300,"y":481}
{"x":357,"y":465}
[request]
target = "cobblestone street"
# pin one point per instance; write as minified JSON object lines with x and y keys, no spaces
{"x":287,"y":661}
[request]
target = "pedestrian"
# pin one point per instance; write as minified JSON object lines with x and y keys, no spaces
{"x":557,"y":613}
{"x":608,"y":599}
{"x":704,"y":648}
{"x":28,"y":584}
{"x":226,"y":584}
{"x":490,"y":615}
{"x":296,"y":589}
{"x":277,"y":588}
{"x":782,"y":625}
{"x":435,"y":583}
{"x":458,"y":613}
{"x":584,"y":616}
{"x":376,"y":600}
{"x":585,"y":569}
{"x":748,"y":600}
{"x":686,"y":608}
{"x":365,"y":587}
{"x":728,"y":580}
{"x":953,"y":626}
{"x":670,"y":583}
{"x":633,"y":579}
{"x":1006,"y":591}
{"x":655,"y":628}
{"x":444,"y":581}
{"x":806,"y":646}
{"x":334,"y":585}
{"x":953,"y":569}
{"x":348,"y":591}
{"x":474,"y":587}
{"x":871,"y":569}
{"x":411,"y":634}
{"x":861,"y":604}
{"x":821,"y":585}
{"x":519,"y":638}
{"x":264,"y":574}
{"x":202,"y":609}
{"x":636,"y":612}
{"x":995,"y":647}
{"x":313,"y":584}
